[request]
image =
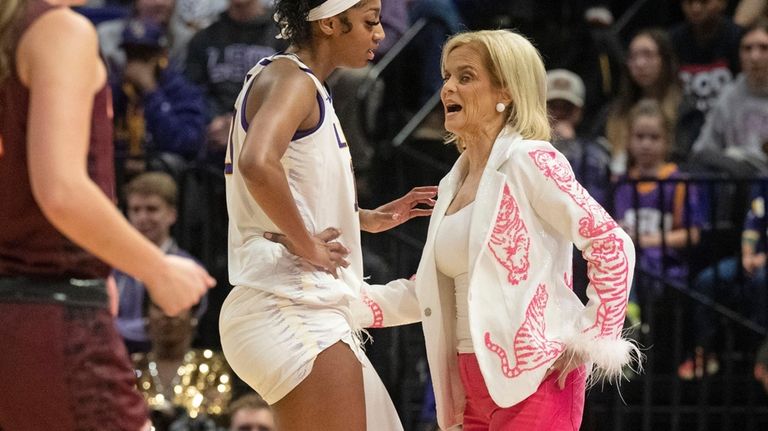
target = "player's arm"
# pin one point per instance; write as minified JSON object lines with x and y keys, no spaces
{"x":282,"y":101}
{"x":59,"y":62}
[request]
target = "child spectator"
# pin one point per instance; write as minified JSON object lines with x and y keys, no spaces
{"x":663,"y":218}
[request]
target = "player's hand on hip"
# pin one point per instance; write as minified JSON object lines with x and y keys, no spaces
{"x":181,"y":285}
{"x":325,"y":253}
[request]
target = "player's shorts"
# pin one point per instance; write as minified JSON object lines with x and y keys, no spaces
{"x":63,"y":365}
{"x":271,"y":342}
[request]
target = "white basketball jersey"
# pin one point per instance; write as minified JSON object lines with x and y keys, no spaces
{"x":319,"y":170}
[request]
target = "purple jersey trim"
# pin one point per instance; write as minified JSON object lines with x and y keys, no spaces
{"x":338,"y":138}
{"x":304,"y":68}
{"x":299,"y":133}
{"x":243,"y":119}
{"x":304,"y":133}
{"x":328,"y":90}
{"x":231,"y":143}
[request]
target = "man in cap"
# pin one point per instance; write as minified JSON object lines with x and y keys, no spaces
{"x":588,"y":156}
{"x":163,"y":12}
{"x":160,"y":117}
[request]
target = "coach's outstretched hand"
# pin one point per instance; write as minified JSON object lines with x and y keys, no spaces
{"x":399,"y":211}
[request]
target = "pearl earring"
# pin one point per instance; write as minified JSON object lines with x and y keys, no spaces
{"x":500,"y":107}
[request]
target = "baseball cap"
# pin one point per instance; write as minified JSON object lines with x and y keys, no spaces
{"x":144,"y":32}
{"x":565,"y":85}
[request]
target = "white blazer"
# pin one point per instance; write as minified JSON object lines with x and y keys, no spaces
{"x":523,"y":313}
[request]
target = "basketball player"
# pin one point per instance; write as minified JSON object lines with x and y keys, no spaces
{"x":289,"y":327}
{"x":63,"y":364}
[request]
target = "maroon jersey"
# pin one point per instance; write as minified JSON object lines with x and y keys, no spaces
{"x":29,"y":244}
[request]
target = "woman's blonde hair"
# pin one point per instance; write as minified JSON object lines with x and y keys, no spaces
{"x":515,"y":66}
{"x":9,"y":12}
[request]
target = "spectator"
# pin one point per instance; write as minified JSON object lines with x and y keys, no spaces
{"x":663,"y":218}
{"x":151,"y":207}
{"x":761,"y":365}
{"x":748,"y":11}
{"x":737,"y":127}
{"x":250,"y":413}
{"x":159,"y":11}
{"x":707,"y":45}
{"x":742,"y":287}
{"x":159,"y":115}
{"x":199,"y":14}
{"x":651,"y":73}
{"x":184,"y":388}
{"x":221,"y":55}
{"x":588,"y":156}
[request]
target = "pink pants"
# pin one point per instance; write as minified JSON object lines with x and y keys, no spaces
{"x":549,"y":408}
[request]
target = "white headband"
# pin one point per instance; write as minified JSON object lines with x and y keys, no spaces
{"x":330,"y":8}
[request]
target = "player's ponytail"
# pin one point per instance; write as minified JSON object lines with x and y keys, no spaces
{"x":291,"y":17}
